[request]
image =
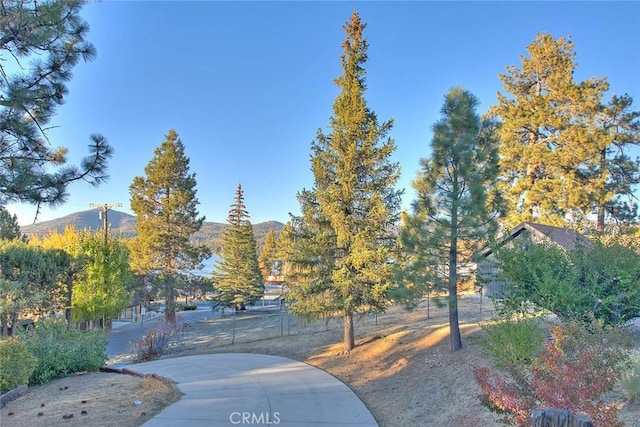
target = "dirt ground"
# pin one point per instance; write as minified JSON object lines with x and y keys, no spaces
{"x":95,"y":399}
{"x":402,"y":368}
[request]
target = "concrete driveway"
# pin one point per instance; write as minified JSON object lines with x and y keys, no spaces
{"x":238,"y":389}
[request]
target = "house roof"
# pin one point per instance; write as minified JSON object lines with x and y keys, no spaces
{"x":135,"y":300}
{"x":565,"y":237}
{"x":562,"y":236}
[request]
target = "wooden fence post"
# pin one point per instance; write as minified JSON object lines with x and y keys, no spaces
{"x":558,"y":418}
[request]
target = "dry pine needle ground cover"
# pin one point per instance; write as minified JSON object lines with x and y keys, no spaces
{"x":91,"y":399}
{"x":402,"y":368}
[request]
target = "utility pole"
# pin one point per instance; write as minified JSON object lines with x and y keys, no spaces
{"x":104,"y":214}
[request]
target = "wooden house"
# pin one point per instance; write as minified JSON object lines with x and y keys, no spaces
{"x":525,"y":234}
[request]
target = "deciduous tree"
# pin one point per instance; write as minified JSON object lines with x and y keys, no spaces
{"x":165,"y":205}
{"x":101,"y":289}
{"x":599,"y":281}
{"x":455,"y":210}
{"x":71,"y":261}
{"x":40,"y":43}
{"x":95,"y":274}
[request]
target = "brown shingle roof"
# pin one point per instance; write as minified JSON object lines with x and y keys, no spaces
{"x":565,"y":237}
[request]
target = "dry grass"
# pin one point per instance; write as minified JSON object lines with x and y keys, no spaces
{"x":96,"y":399}
{"x":402,"y":368}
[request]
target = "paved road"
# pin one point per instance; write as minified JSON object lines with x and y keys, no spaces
{"x":120,"y":339}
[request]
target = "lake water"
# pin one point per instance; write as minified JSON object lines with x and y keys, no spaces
{"x":208,"y":266}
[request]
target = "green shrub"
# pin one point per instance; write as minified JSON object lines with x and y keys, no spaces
{"x":630,"y":379}
{"x":186,"y":307}
{"x":568,"y":283}
{"x":61,"y":352}
{"x":16,"y":362}
{"x":513,"y":343}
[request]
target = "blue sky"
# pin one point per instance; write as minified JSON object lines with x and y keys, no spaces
{"x":247,"y":84}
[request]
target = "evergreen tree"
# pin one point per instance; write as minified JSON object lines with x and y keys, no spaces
{"x":455,"y":210}
{"x":415,"y":268}
{"x":165,"y":205}
{"x":354,"y":191}
{"x":48,"y":35}
{"x":237,"y":276}
{"x":548,"y":143}
{"x":618,"y":128}
{"x":9,"y":228}
{"x":28,"y":282}
{"x":268,"y":259}
{"x":283,"y":249}
{"x":308,"y":248}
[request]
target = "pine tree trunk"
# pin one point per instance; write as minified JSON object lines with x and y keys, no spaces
{"x":601,"y":210}
{"x":600,"y":219}
{"x":14,"y":324}
{"x":349,"y":339}
{"x":170,"y":307}
{"x":67,"y":311}
{"x":454,"y":327}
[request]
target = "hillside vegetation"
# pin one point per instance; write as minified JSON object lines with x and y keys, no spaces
{"x":123,"y":225}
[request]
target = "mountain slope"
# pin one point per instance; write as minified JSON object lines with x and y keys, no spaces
{"x":123,"y":224}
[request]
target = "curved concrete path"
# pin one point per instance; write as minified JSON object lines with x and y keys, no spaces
{"x":238,"y":389}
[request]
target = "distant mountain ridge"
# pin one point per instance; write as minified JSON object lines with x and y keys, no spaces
{"x":123,"y":224}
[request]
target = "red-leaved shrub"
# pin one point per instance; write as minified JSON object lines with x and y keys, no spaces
{"x":502,"y":396}
{"x":578,"y":365}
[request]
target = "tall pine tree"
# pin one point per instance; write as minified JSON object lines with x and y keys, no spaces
{"x":40,"y":44}
{"x":308,"y":248}
{"x":9,"y":227}
{"x":268,"y":258}
{"x":355,"y":193}
{"x":165,"y":205}
{"x":237,"y":276}
{"x":618,"y":130}
{"x":548,"y":143}
{"x":455,"y":210}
